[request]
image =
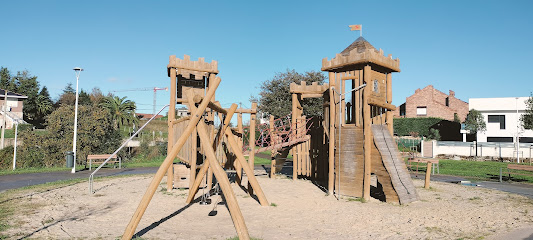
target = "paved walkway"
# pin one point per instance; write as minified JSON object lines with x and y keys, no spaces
{"x":28,"y":179}
{"x":510,"y":187}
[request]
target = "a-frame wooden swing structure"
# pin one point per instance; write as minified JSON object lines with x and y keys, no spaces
{"x":199,"y":105}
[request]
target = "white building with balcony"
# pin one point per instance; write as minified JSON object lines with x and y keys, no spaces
{"x":502,"y":116}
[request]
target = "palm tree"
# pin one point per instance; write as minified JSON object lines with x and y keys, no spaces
{"x":121,"y":110}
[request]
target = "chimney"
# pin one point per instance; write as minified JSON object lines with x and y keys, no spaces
{"x":417,"y":90}
{"x":452,"y":93}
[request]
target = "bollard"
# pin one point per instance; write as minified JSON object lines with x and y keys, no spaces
{"x":428,"y":174}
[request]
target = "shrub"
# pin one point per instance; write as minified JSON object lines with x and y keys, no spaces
{"x":409,"y":126}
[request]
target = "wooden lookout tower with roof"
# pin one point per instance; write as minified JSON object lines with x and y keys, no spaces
{"x":358,"y":125}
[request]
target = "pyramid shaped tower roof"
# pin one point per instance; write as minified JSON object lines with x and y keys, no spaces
{"x":358,"y":53}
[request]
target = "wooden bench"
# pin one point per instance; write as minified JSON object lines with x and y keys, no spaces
{"x":434,"y":163}
{"x":516,"y":167}
{"x":99,"y":159}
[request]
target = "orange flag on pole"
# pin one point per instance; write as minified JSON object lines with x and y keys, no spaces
{"x":356,"y":27}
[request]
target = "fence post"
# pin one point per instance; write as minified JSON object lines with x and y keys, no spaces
{"x":501,"y":174}
{"x":428,"y":173}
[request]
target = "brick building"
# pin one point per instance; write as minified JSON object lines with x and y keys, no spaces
{"x":430,"y":102}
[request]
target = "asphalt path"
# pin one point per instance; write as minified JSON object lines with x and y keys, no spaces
{"x":28,"y":179}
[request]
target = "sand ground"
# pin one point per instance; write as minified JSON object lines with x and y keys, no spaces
{"x":299,"y":210}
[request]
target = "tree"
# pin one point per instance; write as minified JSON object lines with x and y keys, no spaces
{"x":68,"y":97}
{"x":5,"y":77}
{"x":456,"y":118}
{"x":275,"y":97}
{"x":96,"y":96}
{"x":96,"y":135}
{"x":44,"y":106}
{"x":475,"y":122}
{"x":527,"y":118}
{"x":26,"y":84}
{"x":121,"y":110}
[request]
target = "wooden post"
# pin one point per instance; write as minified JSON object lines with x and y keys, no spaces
{"x":221,"y":133}
{"x":194,"y":156}
{"x":428,"y":175}
{"x":389,"y":117}
{"x":171,"y":118}
{"x":220,"y":174}
{"x":293,"y":135}
{"x":247,"y":169}
{"x":343,"y":99}
{"x":331,"y":157}
{"x":301,"y":130}
{"x":238,"y":166}
{"x":251,"y":144}
{"x":273,"y":141}
{"x":367,"y":134}
{"x":195,"y":118}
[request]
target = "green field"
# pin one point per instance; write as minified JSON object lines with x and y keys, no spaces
{"x":477,"y":170}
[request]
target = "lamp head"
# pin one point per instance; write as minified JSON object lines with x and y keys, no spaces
{"x":77,"y":69}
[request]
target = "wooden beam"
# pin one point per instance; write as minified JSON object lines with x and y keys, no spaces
{"x":247,"y":169}
{"x":244,"y":110}
{"x":312,"y":95}
{"x":349,"y":77}
{"x":238,"y":167}
{"x":211,"y":105}
{"x":204,"y":169}
{"x":428,"y":176}
{"x":380,"y":103}
{"x":251,"y":143}
{"x":195,"y":118}
{"x":367,"y":133}
{"x":182,"y":119}
{"x":331,"y":157}
{"x":171,"y":119}
{"x":293,"y":135}
{"x":227,"y":190}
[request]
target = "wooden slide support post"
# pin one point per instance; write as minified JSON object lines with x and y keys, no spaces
{"x":195,"y":118}
{"x":196,"y":185}
{"x":171,"y":118}
{"x":367,"y":134}
{"x":428,"y":176}
{"x":331,"y":159}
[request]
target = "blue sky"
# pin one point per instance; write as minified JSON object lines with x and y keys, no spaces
{"x":476,"y":48}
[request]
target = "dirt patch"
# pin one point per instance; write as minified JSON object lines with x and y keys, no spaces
{"x":298,"y":210}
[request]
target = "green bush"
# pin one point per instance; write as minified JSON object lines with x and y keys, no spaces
{"x":6,"y":157}
{"x":96,"y":135}
{"x":406,"y":126}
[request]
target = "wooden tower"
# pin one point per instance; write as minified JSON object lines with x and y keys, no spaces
{"x":360,"y":131}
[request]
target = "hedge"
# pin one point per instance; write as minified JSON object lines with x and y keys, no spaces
{"x":404,"y":126}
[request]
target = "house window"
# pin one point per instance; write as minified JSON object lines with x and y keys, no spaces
{"x":499,"y":139}
{"x":376,"y":85}
{"x":497,"y":119}
{"x":447,"y":101}
{"x":421,"y":111}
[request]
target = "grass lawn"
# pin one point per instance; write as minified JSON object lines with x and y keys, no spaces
{"x":38,"y":170}
{"x":477,"y":170}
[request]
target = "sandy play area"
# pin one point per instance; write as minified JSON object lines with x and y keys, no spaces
{"x":299,"y":210}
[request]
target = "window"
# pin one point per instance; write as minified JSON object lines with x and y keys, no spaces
{"x":497,"y":119}
{"x":376,"y":86}
{"x":421,"y":111}
{"x":447,"y":101}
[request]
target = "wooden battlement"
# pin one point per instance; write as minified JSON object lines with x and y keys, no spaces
{"x":186,"y":67}
{"x":369,"y":55}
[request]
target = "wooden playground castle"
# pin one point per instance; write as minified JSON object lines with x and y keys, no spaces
{"x":340,"y":151}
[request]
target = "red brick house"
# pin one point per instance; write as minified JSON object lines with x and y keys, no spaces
{"x":430,"y":102}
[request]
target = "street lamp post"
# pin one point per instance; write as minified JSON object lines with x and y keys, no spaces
{"x":77,"y":70}
{"x":517,"y":133}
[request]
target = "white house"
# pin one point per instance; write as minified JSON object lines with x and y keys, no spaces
{"x":13,"y":107}
{"x":502,"y":116}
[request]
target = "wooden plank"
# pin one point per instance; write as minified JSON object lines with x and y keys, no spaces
{"x":293,"y":136}
{"x":428,"y":176}
{"x":380,"y":103}
{"x":195,"y":118}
